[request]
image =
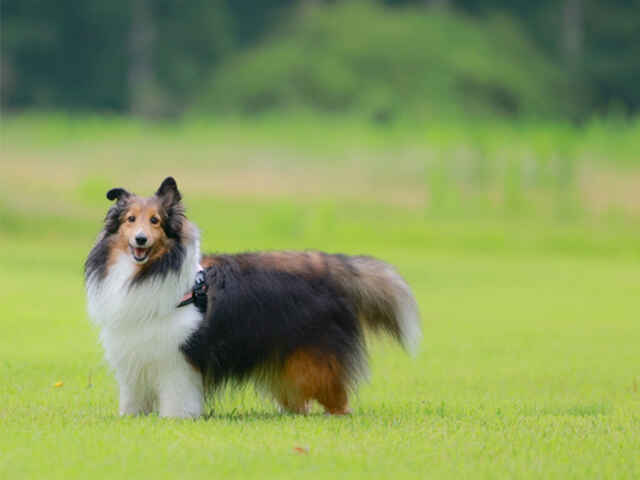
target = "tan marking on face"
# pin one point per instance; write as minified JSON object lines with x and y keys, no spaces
{"x":119,"y":246}
{"x":141,"y":218}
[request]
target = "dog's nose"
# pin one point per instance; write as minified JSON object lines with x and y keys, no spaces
{"x":141,"y":240}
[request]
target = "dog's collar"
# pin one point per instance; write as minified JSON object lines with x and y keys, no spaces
{"x":198,"y":293}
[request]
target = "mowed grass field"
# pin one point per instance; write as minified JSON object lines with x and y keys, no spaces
{"x":530,"y":362}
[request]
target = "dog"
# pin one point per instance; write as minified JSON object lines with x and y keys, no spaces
{"x":290,"y":322}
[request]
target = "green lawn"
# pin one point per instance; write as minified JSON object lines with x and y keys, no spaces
{"x":529,"y":366}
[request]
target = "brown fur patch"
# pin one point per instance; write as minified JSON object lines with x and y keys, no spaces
{"x":308,"y":375}
{"x":208,"y":261}
{"x":301,"y":263}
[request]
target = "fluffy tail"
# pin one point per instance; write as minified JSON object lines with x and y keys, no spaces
{"x":383,"y":299}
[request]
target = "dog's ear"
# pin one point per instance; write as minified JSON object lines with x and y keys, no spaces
{"x":168,"y":191}
{"x":117,"y":194}
{"x":170,"y":197}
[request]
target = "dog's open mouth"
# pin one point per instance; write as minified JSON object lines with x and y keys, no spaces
{"x":140,"y":254}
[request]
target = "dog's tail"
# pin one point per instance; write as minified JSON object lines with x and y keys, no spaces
{"x":383,"y":300}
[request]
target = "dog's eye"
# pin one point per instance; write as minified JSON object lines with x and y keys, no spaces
{"x":154,"y":220}
{"x":131,"y":219}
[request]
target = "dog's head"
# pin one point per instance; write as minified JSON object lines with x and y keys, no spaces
{"x":145,"y":227}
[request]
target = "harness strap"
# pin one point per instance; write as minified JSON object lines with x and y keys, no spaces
{"x":198,"y":293}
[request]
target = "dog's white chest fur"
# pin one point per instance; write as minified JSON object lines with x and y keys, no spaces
{"x":141,"y":332}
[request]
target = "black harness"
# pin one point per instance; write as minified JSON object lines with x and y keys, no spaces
{"x":198,"y":294}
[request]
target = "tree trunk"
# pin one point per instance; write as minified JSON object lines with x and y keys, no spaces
{"x":141,"y":77}
{"x":573,"y":34}
{"x":437,"y":3}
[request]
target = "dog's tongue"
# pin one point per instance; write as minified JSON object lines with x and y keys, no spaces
{"x":139,"y":252}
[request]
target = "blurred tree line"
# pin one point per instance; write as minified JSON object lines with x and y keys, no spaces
{"x":154,"y":57}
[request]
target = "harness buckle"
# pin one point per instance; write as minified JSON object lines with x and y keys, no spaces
{"x":198,"y":295}
{"x":199,"y":292}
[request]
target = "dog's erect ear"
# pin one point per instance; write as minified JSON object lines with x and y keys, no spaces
{"x":168,"y":191}
{"x":170,"y":197}
{"x":117,"y":194}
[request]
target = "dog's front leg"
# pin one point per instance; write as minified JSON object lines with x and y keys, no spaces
{"x":180,"y":391}
{"x":135,"y":397}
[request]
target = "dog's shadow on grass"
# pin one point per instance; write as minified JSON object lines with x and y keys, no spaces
{"x":261,"y":416}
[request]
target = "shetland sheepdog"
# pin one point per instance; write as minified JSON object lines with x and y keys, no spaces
{"x":289,"y":322}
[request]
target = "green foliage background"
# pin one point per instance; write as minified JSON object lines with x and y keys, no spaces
{"x":381,"y":59}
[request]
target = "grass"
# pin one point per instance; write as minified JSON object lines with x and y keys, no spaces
{"x":528,"y":367}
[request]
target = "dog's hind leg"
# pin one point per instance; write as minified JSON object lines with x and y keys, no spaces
{"x":309,"y":375}
{"x":291,"y":399}
{"x":333,"y":397}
